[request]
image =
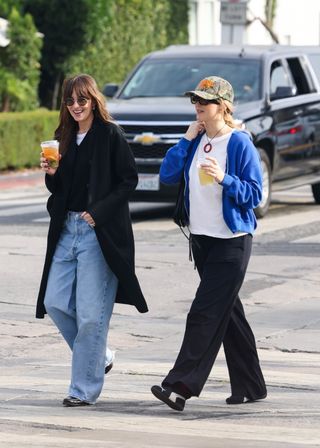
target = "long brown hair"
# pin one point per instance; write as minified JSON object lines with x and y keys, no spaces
{"x":83,"y":85}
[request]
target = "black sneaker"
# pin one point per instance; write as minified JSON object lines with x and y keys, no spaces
{"x":110,"y":365}
{"x":73,"y":402}
{"x":108,"y":368}
{"x":239,"y":399}
{"x":173,"y":400}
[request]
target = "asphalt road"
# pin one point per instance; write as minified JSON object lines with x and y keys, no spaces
{"x":22,"y":202}
{"x":281,"y":299}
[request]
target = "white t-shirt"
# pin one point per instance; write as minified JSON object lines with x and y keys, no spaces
{"x":206,"y":216}
{"x":80,"y":137}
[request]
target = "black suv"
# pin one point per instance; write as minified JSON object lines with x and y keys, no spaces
{"x":277,"y":99}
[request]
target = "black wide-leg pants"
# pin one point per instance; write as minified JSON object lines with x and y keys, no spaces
{"x":216,"y":316}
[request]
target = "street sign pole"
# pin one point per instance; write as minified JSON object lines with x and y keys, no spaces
{"x":233,"y":18}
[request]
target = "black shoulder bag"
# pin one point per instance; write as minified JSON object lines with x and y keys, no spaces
{"x":180,"y":216}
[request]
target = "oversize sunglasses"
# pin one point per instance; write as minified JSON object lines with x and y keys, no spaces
{"x":196,"y":99}
{"x":82,"y":101}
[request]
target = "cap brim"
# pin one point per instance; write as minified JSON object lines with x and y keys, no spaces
{"x":201,"y":94}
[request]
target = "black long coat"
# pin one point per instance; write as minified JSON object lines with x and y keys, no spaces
{"x":113,"y":177}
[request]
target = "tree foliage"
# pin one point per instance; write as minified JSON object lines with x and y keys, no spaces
{"x":104,"y":38}
{"x":67,"y":26}
{"x":6,"y":7}
{"x":177,"y":25}
{"x":132,"y":29}
{"x":20,"y":69}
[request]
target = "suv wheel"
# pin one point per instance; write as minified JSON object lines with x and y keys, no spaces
{"x":316,"y":192}
{"x":263,"y":207}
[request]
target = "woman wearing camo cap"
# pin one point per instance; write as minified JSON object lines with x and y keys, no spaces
{"x":223,"y":181}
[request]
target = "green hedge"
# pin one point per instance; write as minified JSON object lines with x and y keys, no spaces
{"x":21,"y":134}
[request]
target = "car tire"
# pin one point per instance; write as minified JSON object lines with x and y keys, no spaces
{"x":316,"y":192}
{"x":263,"y":207}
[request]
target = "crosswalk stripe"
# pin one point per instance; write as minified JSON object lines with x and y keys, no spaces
{"x":22,"y":210}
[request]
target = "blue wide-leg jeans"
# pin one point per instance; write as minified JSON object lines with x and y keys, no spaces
{"x":79,"y":299}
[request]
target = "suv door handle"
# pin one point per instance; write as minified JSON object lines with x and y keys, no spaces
{"x":297,"y":112}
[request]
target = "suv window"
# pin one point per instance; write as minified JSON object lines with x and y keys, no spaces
{"x":315,"y":62}
{"x":299,"y":75}
{"x":290,"y":77}
{"x":278,"y":78}
{"x":173,"y":77}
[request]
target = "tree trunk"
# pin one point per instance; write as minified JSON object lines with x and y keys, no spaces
{"x":5,"y":103}
{"x":55,"y":94}
{"x":270,"y":11}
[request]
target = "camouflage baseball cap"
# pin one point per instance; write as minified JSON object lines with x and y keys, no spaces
{"x":213,"y":88}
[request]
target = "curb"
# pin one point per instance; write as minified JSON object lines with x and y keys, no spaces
{"x":26,"y":178}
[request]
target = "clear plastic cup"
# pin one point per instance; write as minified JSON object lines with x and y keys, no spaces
{"x":204,"y":178}
{"x":50,"y":149}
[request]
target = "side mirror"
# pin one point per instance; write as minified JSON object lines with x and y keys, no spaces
{"x":283,"y":92}
{"x":109,"y":90}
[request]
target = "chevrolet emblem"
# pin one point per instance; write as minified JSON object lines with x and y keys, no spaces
{"x":147,"y":139}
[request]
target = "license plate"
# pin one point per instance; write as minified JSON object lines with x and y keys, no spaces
{"x":148,"y":182}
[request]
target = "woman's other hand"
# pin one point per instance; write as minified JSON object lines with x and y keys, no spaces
{"x":194,"y":129}
{"x":88,"y":218}
{"x":212,"y":168}
{"x":45,"y":166}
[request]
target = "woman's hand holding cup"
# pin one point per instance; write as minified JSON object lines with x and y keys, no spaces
{"x":50,"y":157}
{"x":45,"y":165}
{"x":212,"y":168}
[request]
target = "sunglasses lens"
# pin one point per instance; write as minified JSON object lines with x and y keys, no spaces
{"x":201,"y":101}
{"x":196,"y":99}
{"x":69,"y":101}
{"x":82,"y":101}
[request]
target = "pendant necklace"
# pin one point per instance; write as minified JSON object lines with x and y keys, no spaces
{"x":207,"y":147}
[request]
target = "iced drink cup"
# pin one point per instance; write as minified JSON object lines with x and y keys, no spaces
{"x":205,"y":179}
{"x":50,"y":150}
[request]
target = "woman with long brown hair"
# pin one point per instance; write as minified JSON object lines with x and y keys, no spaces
{"x":223,"y":184}
{"x":90,"y":254}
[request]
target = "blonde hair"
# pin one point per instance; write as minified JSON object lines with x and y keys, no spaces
{"x":83,"y":85}
{"x":227,"y":112}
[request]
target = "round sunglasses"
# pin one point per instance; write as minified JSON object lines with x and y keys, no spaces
{"x":196,"y":99}
{"x":82,"y":101}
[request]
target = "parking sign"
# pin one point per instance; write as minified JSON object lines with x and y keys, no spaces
{"x":233,"y":12}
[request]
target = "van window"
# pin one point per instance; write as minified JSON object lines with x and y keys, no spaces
{"x":172,"y":77}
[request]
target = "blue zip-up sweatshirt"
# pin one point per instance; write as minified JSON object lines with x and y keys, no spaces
{"x":242,"y":183}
